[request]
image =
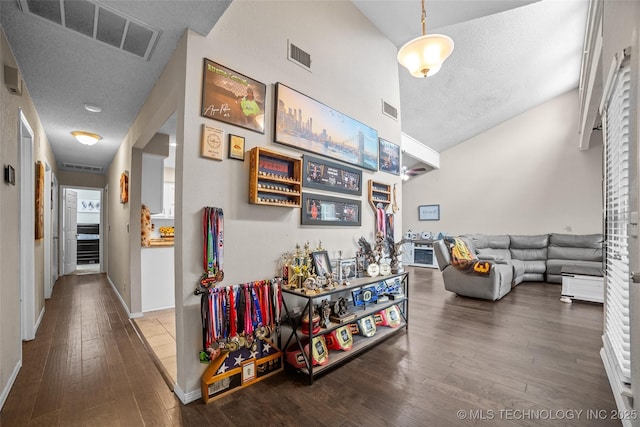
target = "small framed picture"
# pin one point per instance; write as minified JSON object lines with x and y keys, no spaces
{"x":388,"y":157}
{"x":248,"y":371}
{"x":236,"y":147}
{"x":347,"y":269}
{"x":321,"y":262}
{"x":429,"y":213}
{"x":211,"y":144}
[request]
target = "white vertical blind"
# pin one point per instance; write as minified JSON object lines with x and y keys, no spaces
{"x":616,"y":124}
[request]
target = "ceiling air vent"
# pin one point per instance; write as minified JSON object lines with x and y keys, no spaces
{"x":82,"y":168}
{"x":389,"y":110}
{"x":99,"y":22}
{"x":299,"y":56}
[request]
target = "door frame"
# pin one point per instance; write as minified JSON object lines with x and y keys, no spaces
{"x":26,"y":228}
{"x":62,"y":202}
{"x":48,"y":236}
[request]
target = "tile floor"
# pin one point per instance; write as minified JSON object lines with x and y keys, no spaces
{"x":159,"y":332}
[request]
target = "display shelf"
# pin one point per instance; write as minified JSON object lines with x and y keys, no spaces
{"x":379,"y":194}
{"x":297,"y":339}
{"x":275,"y":178}
{"x":360,"y":344}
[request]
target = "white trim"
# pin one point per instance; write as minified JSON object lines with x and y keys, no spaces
{"x":9,"y":385}
{"x":608,"y":84}
{"x":186,"y":398}
{"x":39,"y":320}
{"x":619,"y":392}
{"x":124,"y":304}
{"x":27,"y":219}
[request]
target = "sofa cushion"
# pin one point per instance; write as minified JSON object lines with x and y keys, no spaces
{"x":572,"y":253}
{"x":538,"y":266}
{"x":495,"y":254}
{"x":554,"y":266}
{"x":481,"y":241}
{"x":593,"y":241}
{"x":529,"y":254}
{"x":540,"y":241}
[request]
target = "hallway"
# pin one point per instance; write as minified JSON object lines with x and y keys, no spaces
{"x":87,"y":366}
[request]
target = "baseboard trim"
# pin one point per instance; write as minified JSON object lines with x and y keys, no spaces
{"x":37,"y":325}
{"x":186,"y":398}
{"x":9,"y":385}
{"x":124,"y":304}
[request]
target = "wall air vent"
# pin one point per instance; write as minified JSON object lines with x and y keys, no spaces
{"x":99,"y":22}
{"x":298,"y":56}
{"x":389,"y":110}
{"x":82,"y":168}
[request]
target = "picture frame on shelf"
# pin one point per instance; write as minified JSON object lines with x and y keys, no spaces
{"x":321,"y":262}
{"x":124,"y":187}
{"x":429,"y":212}
{"x":307,"y":124}
{"x":322,"y":174}
{"x":211,"y":142}
{"x":318,"y":209}
{"x":231,"y":97}
{"x":389,"y":157}
{"x":248,"y":371}
{"x":347,"y":269}
{"x":236,"y":147}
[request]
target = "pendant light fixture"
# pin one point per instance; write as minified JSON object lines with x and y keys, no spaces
{"x":424,"y":55}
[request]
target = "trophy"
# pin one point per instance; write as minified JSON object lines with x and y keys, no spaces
{"x":341,"y":313}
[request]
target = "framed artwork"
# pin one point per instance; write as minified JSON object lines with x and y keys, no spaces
{"x":211,"y":142}
{"x":318,"y":209}
{"x":124,"y":187}
{"x":236,"y":147}
{"x":89,"y":206}
{"x":321,"y":262}
{"x":325,"y":175}
{"x":248,"y":371}
{"x":304,"y":123}
{"x":39,"y":203}
{"x":347,"y":269}
{"x":231,"y":97}
{"x":389,"y":157}
{"x":429,"y":212}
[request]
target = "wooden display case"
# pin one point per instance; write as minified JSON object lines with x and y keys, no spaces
{"x":379,"y":194}
{"x":275,"y":179}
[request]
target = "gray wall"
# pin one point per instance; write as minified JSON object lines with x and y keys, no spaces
{"x":525,"y":176}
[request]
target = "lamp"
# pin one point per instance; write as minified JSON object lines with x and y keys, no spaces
{"x":424,"y":55}
{"x":86,"y":138}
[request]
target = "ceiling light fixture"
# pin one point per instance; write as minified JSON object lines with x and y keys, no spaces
{"x":424,"y":55}
{"x":93,"y":108}
{"x":86,"y":138}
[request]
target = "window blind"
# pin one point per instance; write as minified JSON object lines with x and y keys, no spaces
{"x":616,"y":338}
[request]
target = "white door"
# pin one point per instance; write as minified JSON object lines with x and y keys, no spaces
{"x":55,"y":244}
{"x":70,"y":249}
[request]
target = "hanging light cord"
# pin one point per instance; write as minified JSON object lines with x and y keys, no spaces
{"x":424,"y":19}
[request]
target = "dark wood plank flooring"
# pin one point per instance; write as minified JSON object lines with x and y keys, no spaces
{"x":525,"y":360}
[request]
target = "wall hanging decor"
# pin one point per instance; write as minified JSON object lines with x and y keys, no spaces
{"x":304,"y":123}
{"x":389,"y":155}
{"x":325,"y":175}
{"x":124,"y":187}
{"x":211,"y":142}
{"x":231,"y":97}
{"x":318,"y":209}
{"x":429,"y":212}
{"x":236,"y":147}
{"x":39,"y":230}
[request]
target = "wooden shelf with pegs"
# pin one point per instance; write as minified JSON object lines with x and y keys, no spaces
{"x":379,"y":194}
{"x":275,"y":179}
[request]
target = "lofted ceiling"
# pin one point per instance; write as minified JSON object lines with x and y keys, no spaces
{"x":510,"y":55}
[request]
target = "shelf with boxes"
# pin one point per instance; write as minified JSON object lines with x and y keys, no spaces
{"x":275,"y":178}
{"x":335,"y":325}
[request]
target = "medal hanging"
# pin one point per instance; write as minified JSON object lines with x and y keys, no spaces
{"x":213,"y":245}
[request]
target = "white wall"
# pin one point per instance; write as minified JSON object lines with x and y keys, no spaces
{"x":354,"y":67}
{"x":525,"y":176}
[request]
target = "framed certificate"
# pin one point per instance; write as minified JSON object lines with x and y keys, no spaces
{"x":211,"y":144}
{"x":248,"y":371}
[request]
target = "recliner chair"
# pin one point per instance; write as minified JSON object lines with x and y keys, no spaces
{"x":492,"y":287}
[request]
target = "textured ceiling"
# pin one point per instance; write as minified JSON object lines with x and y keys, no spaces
{"x":503,"y":64}
{"x":63,"y":70}
{"x":510,"y":55}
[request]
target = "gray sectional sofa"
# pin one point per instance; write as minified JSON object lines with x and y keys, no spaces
{"x":519,"y":258}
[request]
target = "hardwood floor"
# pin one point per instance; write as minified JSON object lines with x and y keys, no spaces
{"x":525,"y":360}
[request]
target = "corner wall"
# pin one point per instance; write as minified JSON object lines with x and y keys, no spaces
{"x":525,"y":176}
{"x":354,"y":68}
{"x":10,"y":322}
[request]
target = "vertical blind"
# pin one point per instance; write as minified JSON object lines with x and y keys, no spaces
{"x":616,"y":122}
